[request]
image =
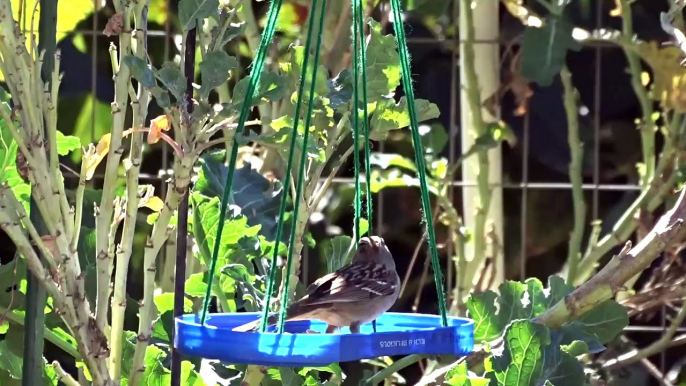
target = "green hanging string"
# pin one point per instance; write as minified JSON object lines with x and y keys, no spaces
{"x":361,"y":66}
{"x":255,"y":76}
{"x":301,"y":174}
{"x":401,"y":42}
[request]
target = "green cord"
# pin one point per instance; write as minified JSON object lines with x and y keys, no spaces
{"x":359,"y":68}
{"x":418,"y":153}
{"x":361,"y":50}
{"x":255,"y":75}
{"x":301,"y":174}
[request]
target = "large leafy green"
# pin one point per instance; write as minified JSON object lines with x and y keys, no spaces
{"x":383,"y":64}
{"x":192,"y":10}
{"x":255,"y":197}
{"x":215,"y":69}
{"x":544,"y":49}
{"x":521,"y":362}
{"x":393,"y":116}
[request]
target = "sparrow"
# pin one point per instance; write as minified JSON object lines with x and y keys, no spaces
{"x":353,"y":295}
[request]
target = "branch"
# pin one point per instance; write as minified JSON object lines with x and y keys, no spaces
{"x":631,"y":261}
{"x":656,"y":347}
{"x":64,"y":376}
{"x":575,"y":168}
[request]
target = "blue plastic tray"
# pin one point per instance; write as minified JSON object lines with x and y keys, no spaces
{"x":397,"y":334}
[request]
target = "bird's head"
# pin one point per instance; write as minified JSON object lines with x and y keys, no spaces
{"x":373,"y":248}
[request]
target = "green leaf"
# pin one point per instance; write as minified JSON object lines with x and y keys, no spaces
{"x":338,"y":252}
{"x":140,"y":70}
{"x":196,"y":286}
{"x":295,"y":71}
{"x":434,"y":138}
{"x":50,"y":376}
{"x":233,"y":31}
{"x":384,"y":161}
{"x":165,"y":302}
{"x":391,"y":116}
{"x":10,"y":361}
{"x":235,"y":228}
{"x":522,"y":359}
{"x":516,"y":301}
{"x":67,"y":143}
{"x":559,"y":367}
{"x":459,"y":376}
{"x":383,"y":64}
{"x":257,"y":198}
{"x":341,"y":89}
{"x":605,"y":321}
{"x":481,"y":308}
{"x":290,"y":377}
{"x":8,"y":170}
{"x":172,"y":78}
{"x":215,"y":70}
{"x":333,"y":368}
{"x":191,"y":10}
{"x":544,"y":50}
{"x":575,"y":332}
{"x":161,"y":96}
{"x":271,"y":88}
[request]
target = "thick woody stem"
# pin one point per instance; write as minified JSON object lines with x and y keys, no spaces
{"x":140,"y":109}
{"x":122,"y":82}
{"x":179,"y":184}
{"x":606,"y":283}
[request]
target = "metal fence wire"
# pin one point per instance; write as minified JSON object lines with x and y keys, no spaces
{"x":523,"y":188}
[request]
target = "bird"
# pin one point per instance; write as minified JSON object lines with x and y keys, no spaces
{"x":351,"y":296}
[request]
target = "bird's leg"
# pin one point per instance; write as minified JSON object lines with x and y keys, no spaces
{"x":355,"y":328}
{"x":331,"y":329}
{"x":374,"y":325}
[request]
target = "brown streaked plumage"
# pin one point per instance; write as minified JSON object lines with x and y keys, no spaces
{"x":353,"y":295}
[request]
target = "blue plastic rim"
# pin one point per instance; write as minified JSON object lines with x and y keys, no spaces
{"x":397,"y":334}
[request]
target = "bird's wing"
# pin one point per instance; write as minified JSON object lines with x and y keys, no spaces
{"x":355,"y":282}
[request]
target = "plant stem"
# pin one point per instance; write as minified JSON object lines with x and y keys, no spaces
{"x":122,"y":81}
{"x":650,"y":197}
{"x":140,"y":112}
{"x":606,"y":283}
{"x":394,"y":368}
{"x":63,"y":376}
{"x":654,"y":348}
{"x":647,"y":125}
{"x":178,"y":185}
{"x":575,"y":169}
{"x":479,"y":127}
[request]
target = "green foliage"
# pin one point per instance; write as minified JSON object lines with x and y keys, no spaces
{"x":192,"y":10}
{"x":8,"y":164}
{"x":459,"y":376}
{"x":338,"y":251}
{"x":215,"y":69}
{"x":530,"y":353}
{"x":67,"y":143}
{"x":391,"y":116}
{"x":255,"y":196}
{"x":541,"y":60}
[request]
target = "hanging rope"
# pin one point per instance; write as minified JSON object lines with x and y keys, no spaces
{"x":360,"y":69}
{"x":401,"y":42}
{"x":359,"y":73}
{"x":303,"y":159}
{"x":255,"y":75}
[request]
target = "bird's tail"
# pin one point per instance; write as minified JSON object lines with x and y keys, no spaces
{"x":295,"y":312}
{"x":255,"y":324}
